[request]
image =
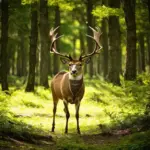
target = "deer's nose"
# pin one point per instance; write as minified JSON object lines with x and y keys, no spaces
{"x":74,"y":71}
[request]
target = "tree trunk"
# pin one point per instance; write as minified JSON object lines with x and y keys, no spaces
{"x":82,"y":48}
{"x":142,"y":51}
{"x":139,"y":66}
{"x":33,"y":47}
{"x":44,"y":39}
{"x":100,"y":66}
{"x":89,"y":32}
{"x":19,"y":60}
{"x":105,"y":47}
{"x":129,"y":11}
{"x":4,"y":42}
{"x":21,"y":56}
{"x":148,"y":51}
{"x":114,"y":46}
{"x":13,"y":64}
{"x":55,"y":57}
{"x":148,"y":4}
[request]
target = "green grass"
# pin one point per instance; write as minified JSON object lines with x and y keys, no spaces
{"x":105,"y":108}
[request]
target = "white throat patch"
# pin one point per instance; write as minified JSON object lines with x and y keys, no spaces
{"x":79,"y":77}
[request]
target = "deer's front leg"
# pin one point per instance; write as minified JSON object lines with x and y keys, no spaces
{"x":77,"y":106}
{"x":54,"y":113}
{"x":67,"y":115}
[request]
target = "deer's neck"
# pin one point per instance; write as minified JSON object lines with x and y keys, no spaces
{"x":75,"y":84}
{"x":76,"y":78}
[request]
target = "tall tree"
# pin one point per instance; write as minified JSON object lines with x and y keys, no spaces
{"x":129,"y":11}
{"x":19,"y":20}
{"x":105,"y":43}
{"x":0,"y":43}
{"x":33,"y":47}
{"x":114,"y":45}
{"x":89,"y":5}
{"x":148,"y":5}
{"x":44,"y":41}
{"x":21,"y":54}
{"x":55,"y":57}
{"x":82,"y":47}
{"x":4,"y":42}
{"x":142,"y":51}
{"x":105,"y":47}
{"x":148,"y":51}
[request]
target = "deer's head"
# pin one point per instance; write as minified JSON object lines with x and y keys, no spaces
{"x":75,"y":65}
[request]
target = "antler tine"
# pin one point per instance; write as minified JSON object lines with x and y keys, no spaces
{"x":97,"y":34}
{"x":54,"y":38}
{"x":96,"y":38}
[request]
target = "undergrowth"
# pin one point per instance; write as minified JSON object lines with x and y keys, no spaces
{"x":105,"y":110}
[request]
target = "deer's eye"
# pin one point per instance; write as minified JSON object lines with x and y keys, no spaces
{"x":70,"y":64}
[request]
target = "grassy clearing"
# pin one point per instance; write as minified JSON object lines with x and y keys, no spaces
{"x":26,"y":117}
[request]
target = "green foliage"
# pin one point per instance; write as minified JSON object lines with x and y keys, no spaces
{"x":108,"y":108}
{"x":136,"y":141}
{"x":63,"y":4}
{"x":75,"y":146}
{"x":24,"y":2}
{"x":103,"y":12}
{"x":3,"y":108}
{"x":142,"y":17}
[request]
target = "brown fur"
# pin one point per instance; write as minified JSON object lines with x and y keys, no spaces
{"x":70,"y":91}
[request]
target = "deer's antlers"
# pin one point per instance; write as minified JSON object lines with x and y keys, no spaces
{"x":54,"y":38}
{"x":96,"y":37}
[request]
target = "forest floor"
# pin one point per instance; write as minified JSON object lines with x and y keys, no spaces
{"x":111,"y":117}
{"x":92,"y":141}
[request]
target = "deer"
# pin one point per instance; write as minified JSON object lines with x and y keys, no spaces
{"x":69,"y":86}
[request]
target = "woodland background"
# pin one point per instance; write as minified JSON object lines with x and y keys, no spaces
{"x":118,"y":76}
{"x":25,"y":41}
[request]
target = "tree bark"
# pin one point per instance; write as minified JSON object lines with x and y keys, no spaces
{"x":89,"y":32}
{"x":21,"y":56}
{"x":55,"y":57}
{"x":114,"y":46}
{"x":33,"y":48}
{"x":44,"y":40}
{"x":139,"y":67}
{"x":129,"y":11}
{"x":105,"y":47}
{"x":82,"y":48}
{"x":148,"y":51}
{"x":148,"y":4}
{"x":18,"y":61}
{"x":4,"y":42}
{"x":142,"y":51}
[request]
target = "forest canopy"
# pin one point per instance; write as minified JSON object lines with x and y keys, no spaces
{"x":114,"y":18}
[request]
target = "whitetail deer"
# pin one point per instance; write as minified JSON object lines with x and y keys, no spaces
{"x":69,"y":86}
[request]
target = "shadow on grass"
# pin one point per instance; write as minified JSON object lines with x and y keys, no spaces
{"x":19,"y":133}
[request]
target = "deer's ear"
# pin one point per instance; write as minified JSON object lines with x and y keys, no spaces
{"x":87,"y":60}
{"x":64,"y":60}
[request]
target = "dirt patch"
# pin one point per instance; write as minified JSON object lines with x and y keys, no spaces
{"x":99,"y":139}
